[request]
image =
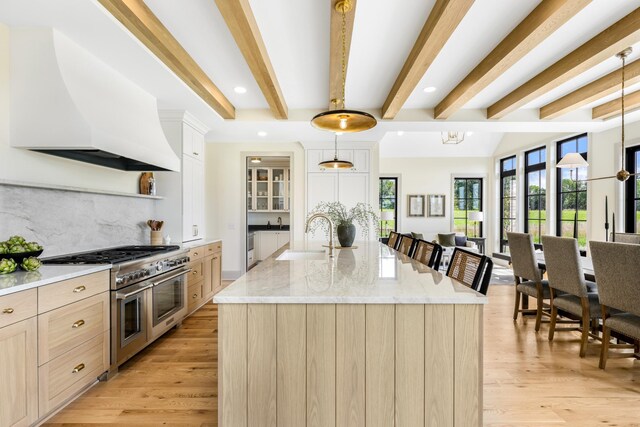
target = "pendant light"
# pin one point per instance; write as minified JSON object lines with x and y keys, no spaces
{"x":574,"y":161}
{"x":343,"y":120}
{"x":335,"y":163}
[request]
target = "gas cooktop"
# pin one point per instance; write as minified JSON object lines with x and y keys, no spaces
{"x":116,"y":255}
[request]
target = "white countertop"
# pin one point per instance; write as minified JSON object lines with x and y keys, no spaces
{"x":46,"y":274}
{"x":373,"y":273}
{"x":201,"y":242}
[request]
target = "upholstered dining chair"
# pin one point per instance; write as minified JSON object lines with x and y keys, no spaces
{"x":469,"y":268}
{"x":394,"y":240}
{"x":406,"y":245}
{"x":427,"y":253}
{"x":564,"y":270}
{"x":527,"y":275}
{"x":617,"y":270}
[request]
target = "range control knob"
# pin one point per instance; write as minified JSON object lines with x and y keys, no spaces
{"x":119,"y":280}
{"x":159,"y":266}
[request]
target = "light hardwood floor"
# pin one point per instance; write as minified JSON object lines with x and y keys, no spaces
{"x":527,"y":380}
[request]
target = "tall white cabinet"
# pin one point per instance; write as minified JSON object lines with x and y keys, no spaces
{"x":182,"y":208}
{"x":348,"y":186}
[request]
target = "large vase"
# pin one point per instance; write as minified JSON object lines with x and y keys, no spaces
{"x":346,"y":235}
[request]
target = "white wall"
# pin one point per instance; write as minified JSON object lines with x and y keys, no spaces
{"x":435,"y":176}
{"x":225,"y":189}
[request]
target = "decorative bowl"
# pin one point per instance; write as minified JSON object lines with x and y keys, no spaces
{"x":19,"y":257}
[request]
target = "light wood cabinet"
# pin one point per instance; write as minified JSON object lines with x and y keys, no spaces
{"x":18,"y":306}
{"x":69,"y":291}
{"x":19,"y":373}
{"x":205,"y":278}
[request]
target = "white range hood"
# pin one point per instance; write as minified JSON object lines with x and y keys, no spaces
{"x":68,"y":103}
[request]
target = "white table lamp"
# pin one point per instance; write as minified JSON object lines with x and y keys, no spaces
{"x":477,"y":217}
{"x":387,"y":216}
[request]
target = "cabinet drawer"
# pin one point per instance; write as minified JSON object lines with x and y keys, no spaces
{"x":197,"y":271}
{"x":18,"y":306}
{"x":194,"y":296}
{"x":69,"y":291}
{"x":65,"y":376}
{"x":214,"y":247}
{"x":197,"y":253}
{"x":71,"y":325}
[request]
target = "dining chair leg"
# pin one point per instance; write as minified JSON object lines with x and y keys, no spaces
{"x":552,"y":322}
{"x":585,"y":333}
{"x":604,"y":349}
{"x":517,"y":307}
{"x":540,"y":304}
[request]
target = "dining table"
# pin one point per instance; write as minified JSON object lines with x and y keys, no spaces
{"x":585,"y":261}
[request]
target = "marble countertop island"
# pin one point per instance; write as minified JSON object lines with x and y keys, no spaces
{"x":369,"y":273}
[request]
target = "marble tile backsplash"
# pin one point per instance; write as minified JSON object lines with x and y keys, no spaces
{"x":69,"y":221}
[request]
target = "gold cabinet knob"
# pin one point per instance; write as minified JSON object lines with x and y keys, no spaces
{"x":78,"y":324}
{"x":78,"y":368}
{"x":194,"y":296}
{"x":79,"y":289}
{"x":7,"y":310}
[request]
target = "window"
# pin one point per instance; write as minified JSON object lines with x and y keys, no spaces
{"x":632,"y":190}
{"x":571,"y":207}
{"x":535,"y":184}
{"x":388,"y":203}
{"x":467,"y":197}
{"x":508,"y":206}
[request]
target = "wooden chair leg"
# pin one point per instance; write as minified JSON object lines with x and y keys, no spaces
{"x":539,"y":312}
{"x":552,"y":322}
{"x":585,"y":334}
{"x":517,"y":307}
{"x":604,"y":349}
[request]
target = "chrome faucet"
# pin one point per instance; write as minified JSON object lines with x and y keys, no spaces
{"x":325,"y":216}
{"x":280,"y":223}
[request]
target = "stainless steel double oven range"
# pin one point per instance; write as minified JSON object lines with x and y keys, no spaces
{"x":148,"y":287}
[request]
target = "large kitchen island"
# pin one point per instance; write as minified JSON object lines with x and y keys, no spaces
{"x":369,"y":338}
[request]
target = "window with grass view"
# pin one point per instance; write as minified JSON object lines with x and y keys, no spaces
{"x":388,"y":205}
{"x":632,"y":190}
{"x":535,"y":184}
{"x":508,"y":204}
{"x":571,"y":204}
{"x":467,"y":197}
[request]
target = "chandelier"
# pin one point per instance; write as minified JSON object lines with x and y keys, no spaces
{"x":574,"y":161}
{"x":343,"y":120}
{"x":452,"y":137}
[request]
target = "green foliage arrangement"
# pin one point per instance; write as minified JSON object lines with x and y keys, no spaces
{"x":362,"y":214}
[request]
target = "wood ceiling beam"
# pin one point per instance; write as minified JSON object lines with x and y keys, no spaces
{"x":335,"y":55}
{"x":242,"y":24}
{"x":147,"y":28}
{"x":543,"y":21}
{"x":620,"y":35}
{"x":592,"y":92}
{"x":441,"y":23}
{"x":613,"y":108}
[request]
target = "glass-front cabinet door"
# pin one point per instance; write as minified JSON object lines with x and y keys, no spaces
{"x":288,"y":205}
{"x":262,"y":189}
{"x":250,"y":189}
{"x":278,"y":189}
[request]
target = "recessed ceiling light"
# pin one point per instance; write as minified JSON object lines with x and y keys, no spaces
{"x":429,"y":89}
{"x":400,"y":132}
{"x":240,"y":89}
{"x":262,"y":133}
{"x":469,"y":133}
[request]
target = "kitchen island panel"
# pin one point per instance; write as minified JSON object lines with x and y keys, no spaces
{"x":439,"y":360}
{"x":468,"y":365}
{"x":379,"y":366}
{"x":291,"y":331}
{"x":350,"y":365}
{"x":261,"y":365}
{"x":410,"y":365}
{"x":232,"y":365}
{"x":321,"y":365}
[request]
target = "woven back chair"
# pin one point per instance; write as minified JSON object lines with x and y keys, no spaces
{"x":394,"y":240}
{"x":617,"y":272}
{"x":528,"y":276}
{"x":562,"y":259}
{"x":428,"y":253}
{"x":466,"y":267}
{"x":406,"y":245}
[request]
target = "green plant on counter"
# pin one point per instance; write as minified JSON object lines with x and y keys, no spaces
{"x":362,"y":214}
{"x":7,"y":265}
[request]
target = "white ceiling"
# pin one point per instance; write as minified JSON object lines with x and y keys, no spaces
{"x":297,"y":40}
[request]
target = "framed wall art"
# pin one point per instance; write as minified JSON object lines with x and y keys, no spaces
{"x":436,"y":204}
{"x":415,"y":205}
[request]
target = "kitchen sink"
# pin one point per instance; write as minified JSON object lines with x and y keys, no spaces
{"x":290,"y":255}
